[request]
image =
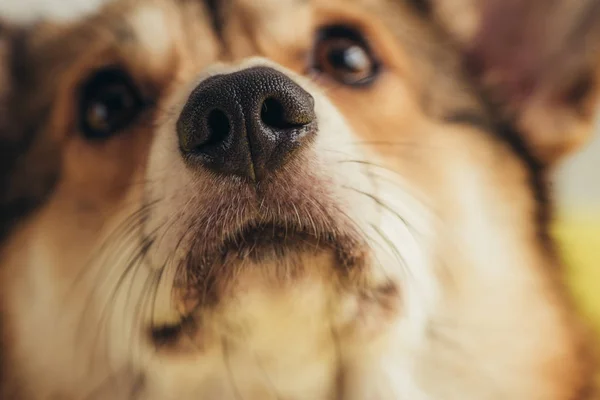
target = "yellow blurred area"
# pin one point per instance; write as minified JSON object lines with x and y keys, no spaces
{"x":578,"y":233}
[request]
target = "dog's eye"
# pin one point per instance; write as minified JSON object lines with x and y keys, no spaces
{"x":109,"y":102}
{"x":343,"y":54}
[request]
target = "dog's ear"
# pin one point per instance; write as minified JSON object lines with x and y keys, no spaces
{"x":538,"y":61}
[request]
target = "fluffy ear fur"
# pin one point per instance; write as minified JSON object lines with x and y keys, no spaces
{"x":538,"y":61}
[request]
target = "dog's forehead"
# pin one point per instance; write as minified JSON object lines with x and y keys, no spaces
{"x":280,"y":17}
{"x":161,"y":24}
{"x":269,"y":5}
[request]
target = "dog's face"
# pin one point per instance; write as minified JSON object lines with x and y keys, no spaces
{"x":290,"y":199}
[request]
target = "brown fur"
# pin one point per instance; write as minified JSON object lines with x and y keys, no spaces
{"x":421,"y":266}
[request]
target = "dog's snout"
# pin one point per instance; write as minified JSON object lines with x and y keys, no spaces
{"x":246,"y":123}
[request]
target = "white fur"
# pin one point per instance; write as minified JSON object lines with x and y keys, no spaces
{"x":30,"y":10}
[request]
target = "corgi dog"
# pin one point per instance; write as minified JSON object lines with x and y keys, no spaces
{"x":292,"y":199}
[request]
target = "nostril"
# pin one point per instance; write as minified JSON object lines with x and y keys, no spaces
{"x":272,"y":114}
{"x":219,"y":127}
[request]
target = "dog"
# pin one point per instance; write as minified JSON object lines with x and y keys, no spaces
{"x":292,"y":199}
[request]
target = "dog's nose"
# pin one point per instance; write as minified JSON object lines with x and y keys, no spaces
{"x":247,"y":123}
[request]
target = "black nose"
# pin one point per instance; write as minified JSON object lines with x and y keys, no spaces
{"x":247,"y":123}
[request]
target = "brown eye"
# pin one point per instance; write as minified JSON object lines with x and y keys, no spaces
{"x":109,"y":102}
{"x":343,"y":54}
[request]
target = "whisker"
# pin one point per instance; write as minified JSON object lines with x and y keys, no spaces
{"x":105,"y":312}
{"x":99,"y":282}
{"x":385,"y":206}
{"x":123,"y":229}
{"x":370,"y":241}
{"x":364,"y":162}
{"x":131,"y":270}
{"x":148,"y":292}
{"x":163,"y":269}
{"x":395,"y":252}
{"x":387,"y":143}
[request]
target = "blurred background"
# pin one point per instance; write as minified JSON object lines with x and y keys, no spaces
{"x":578,"y":226}
{"x":577,"y":182}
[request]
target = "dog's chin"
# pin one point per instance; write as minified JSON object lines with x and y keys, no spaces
{"x":270,"y":243}
{"x":257,"y":257}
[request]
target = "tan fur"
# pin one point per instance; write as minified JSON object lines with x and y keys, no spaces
{"x":451,"y":293}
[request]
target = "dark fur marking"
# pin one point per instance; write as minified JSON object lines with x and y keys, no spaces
{"x":214,"y":10}
{"x":577,"y":94}
{"x":29,"y":159}
{"x":422,"y":6}
{"x":14,"y":142}
{"x":29,"y":172}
